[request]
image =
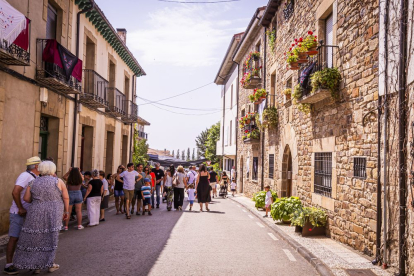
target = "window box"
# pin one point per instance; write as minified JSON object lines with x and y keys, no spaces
{"x":254,"y":82}
{"x":251,"y":141}
{"x":308,"y":230}
{"x":320,"y":95}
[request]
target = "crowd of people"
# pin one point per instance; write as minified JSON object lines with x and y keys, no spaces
{"x":43,"y":204}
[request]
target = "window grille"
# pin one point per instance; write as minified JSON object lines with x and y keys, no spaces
{"x":323,"y":173}
{"x":289,"y":9}
{"x":44,"y":123}
{"x":360,"y":167}
{"x":255,"y":165}
{"x":271,"y":165}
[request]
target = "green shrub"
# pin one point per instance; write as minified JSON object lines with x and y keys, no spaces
{"x":316,"y":216}
{"x":329,"y":78}
{"x":283,"y":207}
{"x":260,"y":198}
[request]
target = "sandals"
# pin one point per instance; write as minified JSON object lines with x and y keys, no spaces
{"x":208,"y":210}
{"x":129,"y":217}
{"x":54,"y":268}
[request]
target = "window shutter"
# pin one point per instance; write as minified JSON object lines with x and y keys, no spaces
{"x":51,"y":22}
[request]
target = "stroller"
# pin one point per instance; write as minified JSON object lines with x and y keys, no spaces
{"x":223,"y":190}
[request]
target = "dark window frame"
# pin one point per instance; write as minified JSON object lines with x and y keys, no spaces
{"x":271,"y":173}
{"x":360,"y":167}
{"x":323,"y":173}
{"x":255,"y":168}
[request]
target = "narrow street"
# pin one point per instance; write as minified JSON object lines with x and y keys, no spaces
{"x":225,"y":241}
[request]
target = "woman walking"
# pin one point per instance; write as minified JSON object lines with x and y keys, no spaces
{"x":105,"y":197}
{"x":168,"y":189}
{"x":74,"y":181}
{"x":93,"y":197}
{"x":224,"y":183}
{"x":38,"y":241}
{"x":119,"y":191}
{"x":181,"y":182}
{"x":203,"y":187}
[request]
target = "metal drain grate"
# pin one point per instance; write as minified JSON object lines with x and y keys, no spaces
{"x":360,"y":272}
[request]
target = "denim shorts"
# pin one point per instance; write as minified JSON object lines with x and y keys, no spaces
{"x":191,"y":202}
{"x":16,"y":224}
{"x":118,"y":193}
{"x":75,"y":197}
{"x":147,"y":201}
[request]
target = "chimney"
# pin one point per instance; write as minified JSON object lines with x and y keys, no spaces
{"x":122,"y":34}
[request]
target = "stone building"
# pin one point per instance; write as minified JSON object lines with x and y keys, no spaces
{"x":83,"y":118}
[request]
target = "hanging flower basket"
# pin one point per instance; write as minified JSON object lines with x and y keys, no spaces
{"x":311,"y":44}
{"x":294,"y":65}
{"x":303,"y":57}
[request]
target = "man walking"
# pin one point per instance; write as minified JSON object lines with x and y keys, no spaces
{"x":18,"y":210}
{"x":192,"y":176}
{"x":213,"y":181}
{"x":159,"y":176}
{"x":137,"y":193}
{"x":129,"y":185}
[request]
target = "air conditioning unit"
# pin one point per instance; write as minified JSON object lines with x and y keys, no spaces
{"x":44,"y":94}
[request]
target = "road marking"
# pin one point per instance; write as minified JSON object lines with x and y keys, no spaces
{"x":238,"y":205}
{"x":289,"y":255}
{"x":250,"y":216}
{"x":244,"y":210}
{"x":273,"y":236}
{"x":258,"y":223}
{"x":4,"y":257}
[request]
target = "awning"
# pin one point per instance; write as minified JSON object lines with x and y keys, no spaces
{"x":166,"y":161}
{"x":12,"y":23}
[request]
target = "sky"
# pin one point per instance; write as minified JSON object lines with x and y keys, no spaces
{"x":180,"y":47}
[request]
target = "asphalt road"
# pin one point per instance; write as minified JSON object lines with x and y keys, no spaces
{"x":225,"y":241}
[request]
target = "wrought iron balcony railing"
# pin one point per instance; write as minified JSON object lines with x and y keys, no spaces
{"x":132,"y":115}
{"x":51,"y":75}
{"x":116,"y":100}
{"x":11,"y":54}
{"x":95,"y":92}
{"x":142,"y":135}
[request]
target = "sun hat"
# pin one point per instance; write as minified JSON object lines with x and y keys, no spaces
{"x":33,"y":160}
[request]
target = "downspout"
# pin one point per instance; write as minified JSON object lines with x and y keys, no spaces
{"x":379,"y":210}
{"x":75,"y":115}
{"x":264,"y":86}
{"x":132,"y":124}
{"x":224,"y":122}
{"x":402,"y":135}
{"x":237,"y":112}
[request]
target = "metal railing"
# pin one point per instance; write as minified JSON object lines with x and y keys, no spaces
{"x":11,"y":54}
{"x":95,"y":87}
{"x":47,"y":71}
{"x":323,"y":59}
{"x":143,"y":135}
{"x":116,"y":101}
{"x":133,"y":110}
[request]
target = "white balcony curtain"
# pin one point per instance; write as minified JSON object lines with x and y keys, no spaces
{"x":12,"y":22}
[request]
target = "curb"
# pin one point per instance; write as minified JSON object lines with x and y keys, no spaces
{"x":322,"y":268}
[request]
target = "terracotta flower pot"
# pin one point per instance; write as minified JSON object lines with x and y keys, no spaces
{"x":303,"y":57}
{"x":312,"y":51}
{"x":247,"y":122}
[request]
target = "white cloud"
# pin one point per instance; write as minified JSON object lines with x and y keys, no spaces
{"x":183,"y":36}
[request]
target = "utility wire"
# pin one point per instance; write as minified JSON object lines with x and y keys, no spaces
{"x":184,"y":108}
{"x":203,"y":114}
{"x":202,"y":2}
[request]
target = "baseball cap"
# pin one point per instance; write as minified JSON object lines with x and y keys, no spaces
{"x":147,"y":180}
{"x":33,"y":160}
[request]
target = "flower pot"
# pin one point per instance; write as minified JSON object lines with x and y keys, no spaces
{"x":247,"y":121}
{"x":259,"y":101}
{"x":308,"y":230}
{"x":286,"y":221}
{"x":312,"y":51}
{"x":303,"y":57}
{"x":294,"y":67}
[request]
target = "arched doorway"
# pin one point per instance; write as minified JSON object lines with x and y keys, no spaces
{"x":286,"y":189}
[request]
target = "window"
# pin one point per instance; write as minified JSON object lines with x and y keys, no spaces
{"x":51,"y":22}
{"x":360,"y":166}
{"x":255,"y":167}
{"x":231,"y":97}
{"x":231,"y":132}
{"x":243,"y":112}
{"x":329,"y":40}
{"x":271,"y":165}
{"x":273,"y":89}
{"x":323,"y":173}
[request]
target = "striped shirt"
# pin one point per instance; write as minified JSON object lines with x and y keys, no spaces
{"x":146,"y":191}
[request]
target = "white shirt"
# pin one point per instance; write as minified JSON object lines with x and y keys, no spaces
{"x":168,"y":182}
{"x":23,"y":181}
{"x":268,"y":199}
{"x":192,"y":176}
{"x":191,"y":195}
{"x":129,"y":179}
{"x":233,"y":185}
{"x":233,"y":173}
{"x":180,"y":179}
{"x":105,"y":187}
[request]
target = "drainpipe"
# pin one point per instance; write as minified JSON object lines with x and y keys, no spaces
{"x":237,"y":112}
{"x":131,"y":133}
{"x":75,"y":115}
{"x":224,"y":123}
{"x":379,"y":210}
{"x":402,"y":134}
{"x":264,"y":86}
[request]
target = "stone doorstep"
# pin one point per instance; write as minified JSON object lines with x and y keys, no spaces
{"x":322,"y":269}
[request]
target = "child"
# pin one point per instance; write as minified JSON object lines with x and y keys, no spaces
{"x":146,"y":192}
{"x":191,"y":195}
{"x":268,"y":200}
{"x":233,"y":186}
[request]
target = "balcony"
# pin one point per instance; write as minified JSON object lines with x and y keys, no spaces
{"x":50,"y":72}
{"x":132,"y":115}
{"x":142,"y":135}
{"x":116,"y":102}
{"x":95,"y":92}
{"x":18,"y":52}
{"x":251,"y":133}
{"x":321,"y":61}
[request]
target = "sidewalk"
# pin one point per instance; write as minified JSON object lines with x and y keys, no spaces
{"x":332,"y":255}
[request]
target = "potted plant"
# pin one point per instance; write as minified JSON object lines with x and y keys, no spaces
{"x":311,"y":43}
{"x":271,"y":116}
{"x":328,"y":78}
{"x":310,"y":221}
{"x":283,"y":207}
{"x":254,"y":134}
{"x":244,"y":137}
{"x":246,"y":79}
{"x":296,"y":95}
{"x":292,"y":58}
{"x":255,"y":55}
{"x":287,"y":91}
{"x":260,"y":197}
{"x":258,"y":96}
{"x":271,"y":36}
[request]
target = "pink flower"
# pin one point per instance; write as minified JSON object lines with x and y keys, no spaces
{"x":296,"y":39}
{"x":293,"y":45}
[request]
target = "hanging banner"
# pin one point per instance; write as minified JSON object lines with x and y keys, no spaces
{"x":23,"y":39}
{"x":12,"y":22}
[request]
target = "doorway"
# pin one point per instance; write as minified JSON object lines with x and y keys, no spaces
{"x":124,"y":155}
{"x":109,"y":151}
{"x":286,"y":189}
{"x":86,"y":148}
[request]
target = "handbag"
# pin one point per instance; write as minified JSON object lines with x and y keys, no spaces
{"x":175,"y":181}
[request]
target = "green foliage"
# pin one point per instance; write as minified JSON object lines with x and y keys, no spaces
{"x":178,"y":154}
{"x":316,"y":216}
{"x":257,"y":95}
{"x":283,"y":207}
{"x":287,"y":91}
{"x":271,"y":35}
{"x":271,"y":115}
{"x":297,"y":93}
{"x":211,"y":144}
{"x":260,"y":197}
{"x":140,"y":156}
{"x":193,"y":157}
{"x":329,"y":78}
{"x":201,"y":141}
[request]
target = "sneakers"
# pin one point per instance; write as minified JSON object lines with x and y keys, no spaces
{"x":265,"y":216}
{"x":80,"y":227}
{"x":54,"y":268}
{"x":64,"y":228}
{"x":149,"y":213}
{"x":137,"y":213}
{"x":158,"y":206}
{"x":102,"y":219}
{"x":11,"y":270}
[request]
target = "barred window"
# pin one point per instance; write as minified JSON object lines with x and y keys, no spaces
{"x":360,"y":167}
{"x":271,"y":165}
{"x":255,"y":167}
{"x":323,"y":173}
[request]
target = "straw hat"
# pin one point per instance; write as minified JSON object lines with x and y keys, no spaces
{"x":33,"y":160}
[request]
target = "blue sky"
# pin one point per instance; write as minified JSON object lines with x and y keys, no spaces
{"x":180,"y":47}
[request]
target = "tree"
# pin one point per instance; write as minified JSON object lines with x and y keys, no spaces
{"x":201,"y":142}
{"x":193,"y":156}
{"x":183,"y":155}
{"x":178,"y":154}
{"x":140,"y":155}
{"x":211,"y":144}
{"x":172,"y":153}
{"x":188,"y":154}
{"x":198,"y":155}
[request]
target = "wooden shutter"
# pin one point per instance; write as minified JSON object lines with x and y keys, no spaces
{"x":51,"y":22}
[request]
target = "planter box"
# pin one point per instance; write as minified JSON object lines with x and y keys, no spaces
{"x":316,"y":231}
{"x":251,"y":141}
{"x":255,"y":82}
{"x":318,"y":96}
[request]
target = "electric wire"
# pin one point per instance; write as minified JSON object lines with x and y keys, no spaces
{"x":185,"y":108}
{"x":202,"y":2}
{"x":192,"y":114}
